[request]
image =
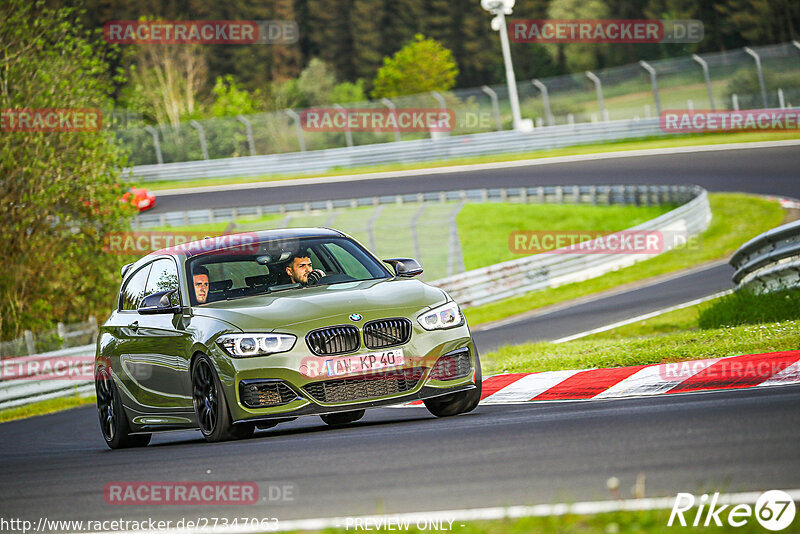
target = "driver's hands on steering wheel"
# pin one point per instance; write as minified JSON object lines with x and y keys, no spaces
{"x":314,"y":276}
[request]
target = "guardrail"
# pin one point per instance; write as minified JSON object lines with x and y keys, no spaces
{"x":46,"y":376}
{"x":644,"y":195}
{"x":470,"y":288}
{"x":400,"y":152}
{"x":61,"y":337}
{"x":770,"y":261}
{"x":515,"y":277}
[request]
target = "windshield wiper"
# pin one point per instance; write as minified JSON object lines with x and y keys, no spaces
{"x":283,"y":287}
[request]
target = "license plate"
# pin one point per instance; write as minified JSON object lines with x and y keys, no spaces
{"x":364,"y":362}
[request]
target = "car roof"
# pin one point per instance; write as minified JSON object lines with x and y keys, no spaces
{"x":203,"y":247}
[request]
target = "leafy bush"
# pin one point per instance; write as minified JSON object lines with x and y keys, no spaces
{"x":421,"y":66}
{"x":60,"y":189}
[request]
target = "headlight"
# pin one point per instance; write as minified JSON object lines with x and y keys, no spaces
{"x":243,"y":345}
{"x":445,"y":316}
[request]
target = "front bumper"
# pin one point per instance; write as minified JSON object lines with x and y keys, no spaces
{"x":421,"y":354}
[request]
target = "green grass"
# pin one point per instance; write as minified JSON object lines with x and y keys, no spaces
{"x":746,"y":307}
{"x":676,"y":321}
{"x":617,"y":146}
{"x":45,"y":407}
{"x":484,"y":228}
{"x":736,"y":219}
{"x":591,"y":352}
{"x":738,"y":308}
{"x":649,"y":522}
{"x":675,"y":336}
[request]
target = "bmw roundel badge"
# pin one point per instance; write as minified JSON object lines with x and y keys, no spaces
{"x":355,"y":317}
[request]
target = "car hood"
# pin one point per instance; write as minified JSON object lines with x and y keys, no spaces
{"x":324,"y":305}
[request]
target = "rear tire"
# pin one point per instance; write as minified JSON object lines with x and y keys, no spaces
{"x":211,"y":406}
{"x":114,"y":423}
{"x":458,"y":403}
{"x":342,"y":418}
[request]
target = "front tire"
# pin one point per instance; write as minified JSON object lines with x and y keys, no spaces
{"x":458,"y":403}
{"x":114,"y":423}
{"x":211,"y":406}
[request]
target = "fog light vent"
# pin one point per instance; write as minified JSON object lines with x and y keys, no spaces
{"x":452,"y":366}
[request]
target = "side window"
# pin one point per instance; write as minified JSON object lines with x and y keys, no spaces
{"x":133,"y":291}
{"x":163,"y":276}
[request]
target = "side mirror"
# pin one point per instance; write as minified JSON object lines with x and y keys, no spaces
{"x":125,"y":269}
{"x":405,"y":267}
{"x":158,"y":303}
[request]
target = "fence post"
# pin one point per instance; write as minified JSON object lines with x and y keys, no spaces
{"x":202,"y":135}
{"x":93,"y":327}
{"x":389,"y":104}
{"x":371,"y":226}
{"x":152,"y":131}
{"x":704,"y":65}
{"x":781,"y":101}
{"x":62,"y":333}
{"x":735,"y":101}
{"x":455,"y":259}
{"x":443,"y":106}
{"x":545,"y":100}
{"x":29,"y":344}
{"x":250,"y":141}
{"x":414,"y":234}
{"x":760,"y":72}
{"x":654,"y":83}
{"x":296,"y":119}
{"x":348,"y":135}
{"x":495,"y":106}
{"x":598,"y":85}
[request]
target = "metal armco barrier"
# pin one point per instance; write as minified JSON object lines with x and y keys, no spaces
{"x":539,"y":271}
{"x":770,"y":261}
{"x":555,"y":194}
{"x":400,"y":152}
{"x":46,"y":376}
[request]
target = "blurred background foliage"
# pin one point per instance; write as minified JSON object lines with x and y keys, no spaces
{"x":345,"y":45}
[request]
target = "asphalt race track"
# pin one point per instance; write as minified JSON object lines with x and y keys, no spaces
{"x":403,"y":459}
{"x":768,"y":171}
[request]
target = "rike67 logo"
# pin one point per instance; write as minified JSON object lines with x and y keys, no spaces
{"x":774,"y":510}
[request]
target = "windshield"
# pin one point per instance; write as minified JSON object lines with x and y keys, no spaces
{"x":280,"y":265}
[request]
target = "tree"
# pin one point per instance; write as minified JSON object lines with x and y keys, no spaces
{"x":578,"y":56}
{"x":165,"y":82}
{"x":316,"y":86}
{"x":759,"y":21}
{"x":59,"y":196}
{"x":231,"y":100}
{"x":421,"y":66}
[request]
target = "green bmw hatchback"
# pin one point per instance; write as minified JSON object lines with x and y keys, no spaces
{"x":250,"y":330}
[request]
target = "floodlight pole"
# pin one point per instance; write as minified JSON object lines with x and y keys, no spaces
{"x":501,"y":8}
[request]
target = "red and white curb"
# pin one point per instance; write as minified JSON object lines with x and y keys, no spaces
{"x":734,"y":372}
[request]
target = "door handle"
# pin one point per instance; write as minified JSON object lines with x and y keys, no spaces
{"x":134,"y":326}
